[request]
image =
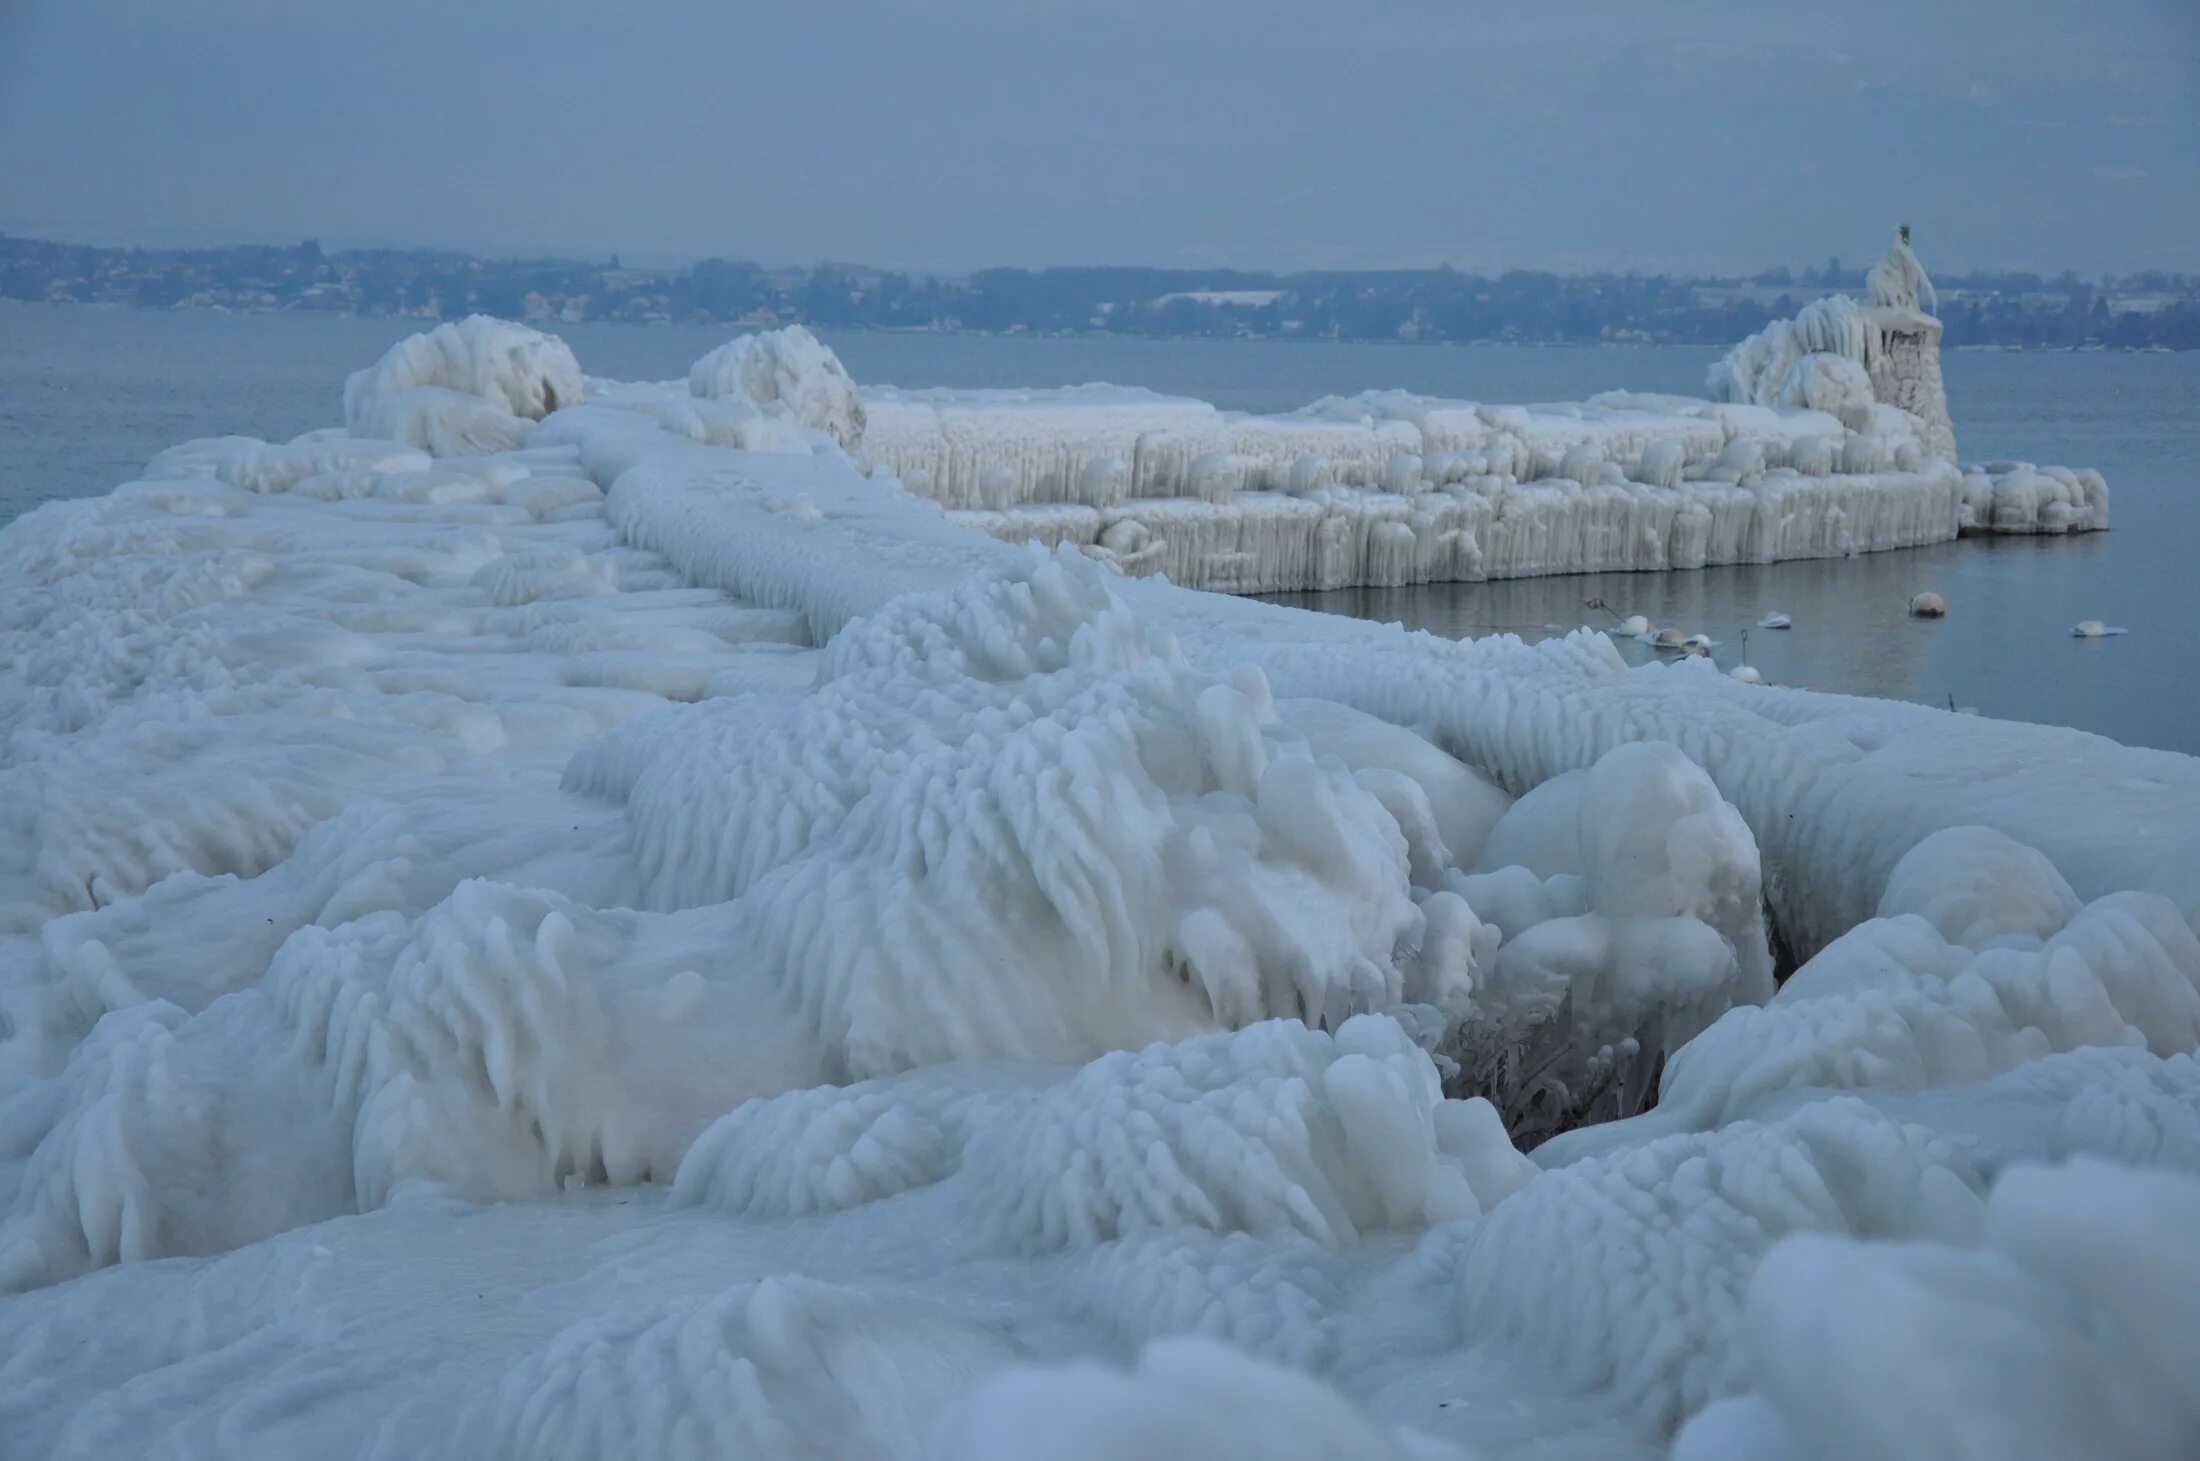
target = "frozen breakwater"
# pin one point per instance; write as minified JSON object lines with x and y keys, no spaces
{"x":1355,"y":491}
{"x":1827,"y":435}
{"x":591,"y":925}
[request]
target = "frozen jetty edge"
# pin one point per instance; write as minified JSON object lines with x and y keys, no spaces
{"x":1825,"y":435}
{"x":573,"y":920}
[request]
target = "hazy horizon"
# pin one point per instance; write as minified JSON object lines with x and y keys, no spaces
{"x":1865,"y":254}
{"x":1704,"y":138}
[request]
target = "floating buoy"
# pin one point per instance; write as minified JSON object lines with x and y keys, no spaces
{"x":1928,"y":606}
{"x":1634,"y":624}
{"x":1747,"y":674}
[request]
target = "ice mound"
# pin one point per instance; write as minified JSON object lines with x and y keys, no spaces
{"x":2017,"y":497}
{"x":1185,"y":1400}
{"x":1629,"y":898}
{"x":1626,"y":1273}
{"x":1834,"y":384}
{"x":1464,"y":803}
{"x":462,"y":388}
{"x":2070,"y":1332}
{"x":504,"y":1046}
{"x":1975,"y":885}
{"x":1011,"y":822}
{"x":1825,"y":348}
{"x":1896,"y":1004}
{"x":1271,"y":1130}
{"x":789,"y":369}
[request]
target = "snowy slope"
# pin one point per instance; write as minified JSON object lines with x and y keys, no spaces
{"x":657,"y":942}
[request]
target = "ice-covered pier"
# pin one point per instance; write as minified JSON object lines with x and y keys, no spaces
{"x":562,"y":918}
{"x":1825,"y":435}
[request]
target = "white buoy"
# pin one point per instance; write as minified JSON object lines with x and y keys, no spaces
{"x":1634,"y":624}
{"x":1775,"y":621}
{"x":1697,"y":644}
{"x":1747,"y":674}
{"x":1928,"y":606}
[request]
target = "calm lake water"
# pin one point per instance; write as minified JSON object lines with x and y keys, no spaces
{"x":87,"y":394}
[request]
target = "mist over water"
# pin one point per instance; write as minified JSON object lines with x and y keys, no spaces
{"x":88,"y":394}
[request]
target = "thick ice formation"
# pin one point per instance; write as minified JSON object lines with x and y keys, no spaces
{"x":1627,"y":897}
{"x":2045,"y":1342}
{"x":1898,"y":281}
{"x":462,"y":388}
{"x":652,"y":941}
{"x":1277,"y":1129}
{"x":1839,"y":355}
{"x":2017,"y":497}
{"x":788,"y":369}
{"x":1389,"y":488}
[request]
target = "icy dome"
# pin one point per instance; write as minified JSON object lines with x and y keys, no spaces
{"x":466,"y":387}
{"x":572,"y":918}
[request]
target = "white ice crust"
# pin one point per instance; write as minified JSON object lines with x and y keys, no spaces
{"x":626,"y":933}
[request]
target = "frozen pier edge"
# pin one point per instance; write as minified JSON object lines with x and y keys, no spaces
{"x":1826,"y":435}
{"x":577,"y":922}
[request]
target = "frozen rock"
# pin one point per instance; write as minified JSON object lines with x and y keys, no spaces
{"x":788,"y":369}
{"x":464,"y":388}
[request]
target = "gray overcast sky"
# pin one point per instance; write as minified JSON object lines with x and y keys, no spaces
{"x":1562,"y":134}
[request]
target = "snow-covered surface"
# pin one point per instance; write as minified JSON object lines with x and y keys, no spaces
{"x":655,"y":941}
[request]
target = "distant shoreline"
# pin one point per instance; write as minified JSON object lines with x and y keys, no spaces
{"x":1439,"y":305}
{"x":553,"y":325}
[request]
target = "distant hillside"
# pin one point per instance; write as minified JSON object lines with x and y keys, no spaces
{"x":2146,"y":311}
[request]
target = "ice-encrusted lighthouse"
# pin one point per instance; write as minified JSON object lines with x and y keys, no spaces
{"x":1839,"y":355}
{"x":1906,"y":370}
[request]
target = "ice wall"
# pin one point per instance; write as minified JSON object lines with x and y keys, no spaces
{"x":1390,"y":488}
